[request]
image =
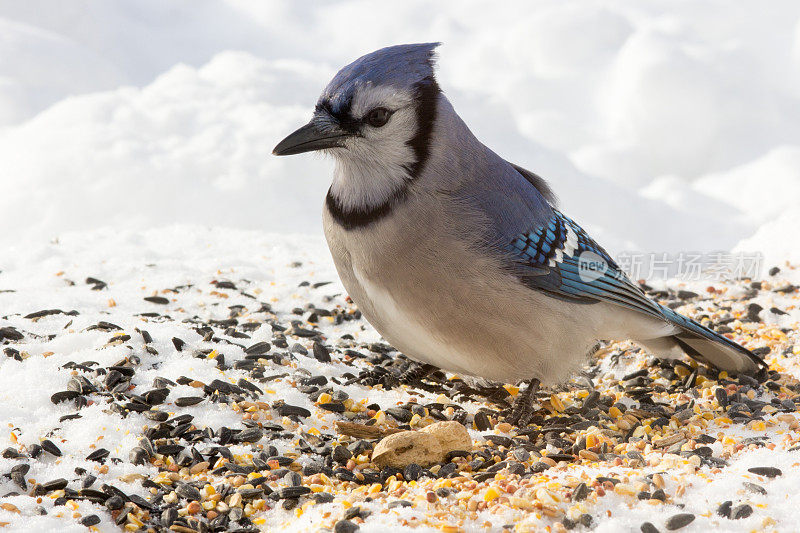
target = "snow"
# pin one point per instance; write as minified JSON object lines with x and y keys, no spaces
{"x":272,"y":268}
{"x":680,"y":117}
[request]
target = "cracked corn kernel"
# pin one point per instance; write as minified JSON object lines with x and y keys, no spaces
{"x":491,"y":494}
{"x":521,"y":503}
{"x":545,"y":496}
{"x":624,"y":489}
{"x":324,"y":398}
{"x":556,"y":402}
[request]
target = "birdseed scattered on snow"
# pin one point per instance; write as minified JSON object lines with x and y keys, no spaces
{"x":244,"y":410}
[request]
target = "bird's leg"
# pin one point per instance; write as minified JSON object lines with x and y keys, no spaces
{"x":416,"y":373}
{"x":370,"y":378}
{"x":594,"y":349}
{"x":381,"y":376}
{"x":522,"y":410}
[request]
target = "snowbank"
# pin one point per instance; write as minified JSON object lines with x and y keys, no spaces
{"x":658,"y":124}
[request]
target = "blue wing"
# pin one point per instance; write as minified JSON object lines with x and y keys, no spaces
{"x":552,"y":254}
{"x":568,"y":264}
{"x":557,"y":257}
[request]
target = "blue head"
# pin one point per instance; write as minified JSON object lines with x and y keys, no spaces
{"x":375,"y":117}
{"x":390,"y":78}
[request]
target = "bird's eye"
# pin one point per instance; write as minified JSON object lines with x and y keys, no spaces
{"x":378,"y":117}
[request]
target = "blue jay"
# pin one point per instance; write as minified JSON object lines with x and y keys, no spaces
{"x":460,"y":259}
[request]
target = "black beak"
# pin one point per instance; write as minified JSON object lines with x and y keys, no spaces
{"x":311,"y":137}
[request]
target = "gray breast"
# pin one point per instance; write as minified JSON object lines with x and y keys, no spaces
{"x":439,"y":299}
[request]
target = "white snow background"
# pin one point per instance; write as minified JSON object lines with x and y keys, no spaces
{"x":662,"y":126}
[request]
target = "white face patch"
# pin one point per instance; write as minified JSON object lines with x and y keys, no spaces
{"x":368,"y":97}
{"x":371,"y":168}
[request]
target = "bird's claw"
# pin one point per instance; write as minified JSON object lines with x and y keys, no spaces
{"x":522,"y":411}
{"x":416,"y":373}
{"x":520,"y":415}
{"x":372,"y":378}
{"x":380,"y":376}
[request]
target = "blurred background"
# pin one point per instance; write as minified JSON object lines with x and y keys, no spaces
{"x":663,"y":126}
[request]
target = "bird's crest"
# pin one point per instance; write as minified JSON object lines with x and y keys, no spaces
{"x":402,"y":66}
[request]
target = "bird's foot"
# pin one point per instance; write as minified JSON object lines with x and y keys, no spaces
{"x":599,"y":345}
{"x":380,"y":376}
{"x":522,"y":409}
{"x":416,"y":373}
{"x":374,"y":376}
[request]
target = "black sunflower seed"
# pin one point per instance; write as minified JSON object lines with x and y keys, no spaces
{"x":243,"y":383}
{"x":259,"y":348}
{"x":139,"y":456}
{"x":158,"y":416}
{"x":98,"y":284}
{"x":752,"y":487}
{"x":187,"y":401}
{"x":114,"y":503}
{"x":250,"y":435}
{"x":11,"y":334}
{"x":345,"y":526}
{"x":170,"y":515}
{"x":321,"y":353}
{"x":13,"y":353}
{"x":292,"y":492}
{"x":98,"y":455}
{"x":293,"y":410}
{"x":188,"y":492}
{"x":766,"y":471}
{"x":400,"y":414}
{"x":64,"y":396}
{"x":19,"y":478}
{"x":112,"y":378}
{"x":122,"y":517}
{"x":482,"y":421}
{"x":43,"y":313}
{"x":49,"y":447}
{"x":56,"y":484}
{"x":299,"y":348}
{"x":399,"y":503}
{"x":679,"y":521}
{"x":323,"y":497}
{"x":647,"y":527}
{"x":169,"y":449}
{"x":249,"y":494}
{"x":156,"y":396}
{"x":334,"y":407}
{"x":90,"y":520}
{"x":741,"y":511}
{"x":156,"y":300}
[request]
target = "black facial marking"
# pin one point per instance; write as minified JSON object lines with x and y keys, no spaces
{"x":363,"y":216}
{"x":341,"y":114}
{"x":427,"y":96}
